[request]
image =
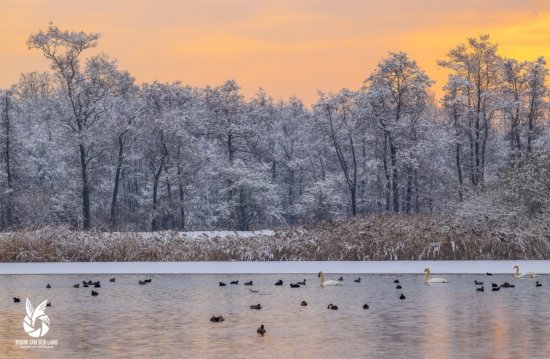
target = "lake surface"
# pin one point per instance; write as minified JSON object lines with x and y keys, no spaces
{"x":170,"y":317}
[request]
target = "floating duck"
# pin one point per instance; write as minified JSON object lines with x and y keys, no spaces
{"x":365,"y":306}
{"x":248,"y":283}
{"x":279,"y":282}
{"x":261,"y":330}
{"x":94,"y":293}
{"x":257,"y":307}
{"x":304,"y":303}
{"x":216,"y":319}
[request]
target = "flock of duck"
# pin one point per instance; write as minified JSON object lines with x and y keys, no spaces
{"x":323,"y":282}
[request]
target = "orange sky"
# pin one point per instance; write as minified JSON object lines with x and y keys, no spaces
{"x":288,"y":47}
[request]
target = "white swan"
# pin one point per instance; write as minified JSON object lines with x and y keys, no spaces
{"x":433,"y":280}
{"x":327,"y":282}
{"x":518,"y":275}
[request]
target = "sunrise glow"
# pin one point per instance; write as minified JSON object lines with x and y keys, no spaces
{"x":286,"y":47}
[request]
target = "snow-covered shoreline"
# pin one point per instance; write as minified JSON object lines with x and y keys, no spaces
{"x":375,"y":267}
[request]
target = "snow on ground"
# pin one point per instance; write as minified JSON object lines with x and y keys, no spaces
{"x":506,"y":266}
{"x":205,"y":234}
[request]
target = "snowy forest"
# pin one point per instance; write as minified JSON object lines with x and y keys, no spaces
{"x":84,"y":145}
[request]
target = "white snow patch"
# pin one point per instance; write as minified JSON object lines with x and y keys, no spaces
{"x":202,"y":234}
{"x":457,"y":266}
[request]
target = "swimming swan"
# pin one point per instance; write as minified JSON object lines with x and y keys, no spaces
{"x":324,"y":282}
{"x":518,"y":275}
{"x":433,"y":280}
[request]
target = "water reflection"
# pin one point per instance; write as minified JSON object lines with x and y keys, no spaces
{"x":170,"y":318}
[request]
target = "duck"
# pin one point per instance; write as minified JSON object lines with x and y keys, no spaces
{"x":148,"y":280}
{"x":494,"y":285}
{"x":478,"y":283}
{"x":142,"y":282}
{"x":112,"y":280}
{"x":398,"y":286}
{"x":234,"y":282}
{"x":97,"y":285}
{"x":216,"y":319}
{"x":261,"y":330}
{"x":254,"y":291}
{"x":341,"y":279}
{"x":49,"y":304}
{"x":396,"y":281}
{"x":365,"y":306}
{"x":94,"y":293}
{"x":304,"y":303}
{"x":480,"y":289}
{"x":402,"y":296}
{"x":358,"y":280}
{"x":85,"y":285}
{"x":538,"y":284}
{"x":292,"y":285}
{"x":507,"y":285}
{"x":433,"y":280}
{"x":48,"y":286}
{"x":90,"y":282}
{"x":77,"y":285}
{"x":302,"y":282}
{"x":489,"y":273}
{"x":530,"y":274}
{"x":248,"y":283}
{"x":222,"y":284}
{"x":324,"y":282}
{"x":332,"y":307}
{"x":495,"y":289}
{"x":257,"y":306}
{"x":16,"y":300}
{"x":279,"y":282}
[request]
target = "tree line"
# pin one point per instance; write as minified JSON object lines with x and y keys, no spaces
{"x":85,"y":145}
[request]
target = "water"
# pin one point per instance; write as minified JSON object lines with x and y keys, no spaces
{"x":170,"y":317}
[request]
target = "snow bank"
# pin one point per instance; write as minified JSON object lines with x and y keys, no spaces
{"x":495,"y":267}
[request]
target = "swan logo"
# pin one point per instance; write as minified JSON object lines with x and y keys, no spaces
{"x":36,"y":322}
